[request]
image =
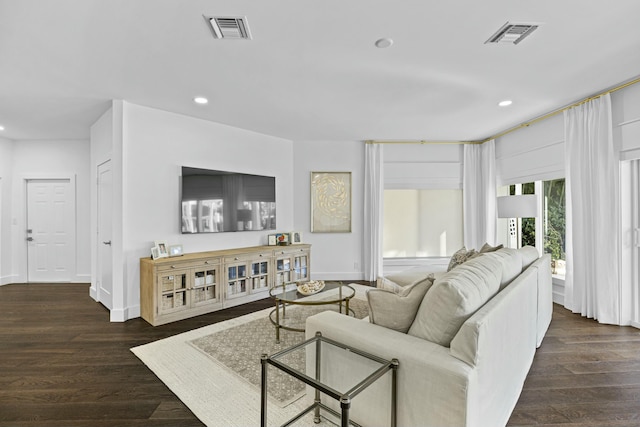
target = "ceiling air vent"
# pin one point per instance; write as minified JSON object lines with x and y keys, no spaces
{"x":512,"y":33}
{"x":229,"y":27}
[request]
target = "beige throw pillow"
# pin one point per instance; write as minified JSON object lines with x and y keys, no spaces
{"x":397,"y":310}
{"x":460,"y":257}
{"x":454,"y":298}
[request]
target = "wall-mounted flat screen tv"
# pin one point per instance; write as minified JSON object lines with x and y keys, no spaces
{"x":215,"y":201}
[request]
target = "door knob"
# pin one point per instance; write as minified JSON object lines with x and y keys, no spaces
{"x":107,"y":243}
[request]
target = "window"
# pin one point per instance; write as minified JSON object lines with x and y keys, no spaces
{"x":555,"y":224}
{"x":422,"y":223}
{"x":552,"y":224}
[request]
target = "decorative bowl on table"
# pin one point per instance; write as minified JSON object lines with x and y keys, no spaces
{"x":311,"y":287}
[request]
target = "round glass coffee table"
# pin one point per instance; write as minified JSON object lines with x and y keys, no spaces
{"x":333,"y":293}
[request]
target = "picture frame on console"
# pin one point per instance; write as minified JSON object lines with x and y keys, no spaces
{"x":163,"y":248}
{"x":175,"y":250}
{"x":295,"y":237}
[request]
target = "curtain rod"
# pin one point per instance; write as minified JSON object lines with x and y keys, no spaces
{"x":520,"y":126}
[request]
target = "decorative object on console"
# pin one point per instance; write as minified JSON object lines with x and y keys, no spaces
{"x":330,"y":202}
{"x":272,"y":240}
{"x":295,"y":237}
{"x":282,"y":239}
{"x":154,"y":252}
{"x":175,"y":250}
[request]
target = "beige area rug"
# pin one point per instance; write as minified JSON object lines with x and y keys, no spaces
{"x":198,"y":371}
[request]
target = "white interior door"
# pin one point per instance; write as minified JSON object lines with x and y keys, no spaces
{"x":105,"y":194}
{"x":635,"y":247}
{"x":50,"y":230}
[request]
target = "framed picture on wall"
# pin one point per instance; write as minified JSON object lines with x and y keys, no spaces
{"x":331,"y":202}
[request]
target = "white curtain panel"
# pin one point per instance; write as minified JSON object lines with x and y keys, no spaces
{"x":592,"y":210}
{"x":479,"y":194}
{"x":373,"y":210}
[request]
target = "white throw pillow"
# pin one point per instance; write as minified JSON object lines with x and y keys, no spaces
{"x":454,"y":298}
{"x":397,"y":310}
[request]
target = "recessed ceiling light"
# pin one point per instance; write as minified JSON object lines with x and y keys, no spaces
{"x":505,"y":103}
{"x":383,"y":43}
{"x":200,"y":100}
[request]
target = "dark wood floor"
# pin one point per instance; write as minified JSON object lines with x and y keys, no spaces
{"x":62,"y":363}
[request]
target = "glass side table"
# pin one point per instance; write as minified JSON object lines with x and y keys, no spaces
{"x":319,"y":345}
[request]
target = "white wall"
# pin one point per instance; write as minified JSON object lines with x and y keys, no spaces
{"x":50,"y":159}
{"x":6,"y":180}
{"x":333,"y":255}
{"x":155,"y":144}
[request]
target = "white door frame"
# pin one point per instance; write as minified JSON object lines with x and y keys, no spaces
{"x":21,"y":235}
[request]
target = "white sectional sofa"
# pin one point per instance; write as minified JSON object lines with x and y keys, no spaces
{"x":468,"y":349}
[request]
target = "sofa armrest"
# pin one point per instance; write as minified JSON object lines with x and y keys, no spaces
{"x":432,"y":385}
{"x":545,"y":296}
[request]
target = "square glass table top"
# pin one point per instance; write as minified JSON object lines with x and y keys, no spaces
{"x":324,"y":355}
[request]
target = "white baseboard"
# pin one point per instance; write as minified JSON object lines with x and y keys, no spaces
{"x":558,"y":298}
{"x":81,"y":278}
{"x":7,"y":280}
{"x":635,"y":325}
{"x":122,"y":315}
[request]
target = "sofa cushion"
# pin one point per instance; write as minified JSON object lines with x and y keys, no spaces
{"x":454,"y":297}
{"x":511,"y":260}
{"x":529,"y":256}
{"x":396,"y":310}
{"x":460,"y":257}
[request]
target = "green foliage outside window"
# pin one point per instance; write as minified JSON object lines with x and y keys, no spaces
{"x":554,"y":239}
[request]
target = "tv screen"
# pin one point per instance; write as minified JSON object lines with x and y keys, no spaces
{"x":215,"y":201}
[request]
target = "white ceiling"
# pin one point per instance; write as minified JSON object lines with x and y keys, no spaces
{"x":311,"y":71}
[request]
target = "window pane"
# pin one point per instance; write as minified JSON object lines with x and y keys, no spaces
{"x":422,"y":223}
{"x":554,"y":223}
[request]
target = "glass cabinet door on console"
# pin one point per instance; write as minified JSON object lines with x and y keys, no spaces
{"x":206,"y":286}
{"x":173,"y":291}
{"x":259,"y":276}
{"x":292,"y":265}
{"x":283,"y":270}
{"x":300,"y":267}
{"x":237,"y":279}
